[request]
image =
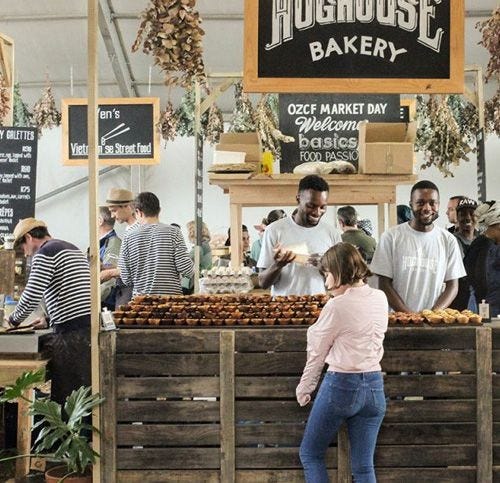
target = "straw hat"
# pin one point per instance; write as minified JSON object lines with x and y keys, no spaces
{"x":26,"y":225}
{"x":118,"y":196}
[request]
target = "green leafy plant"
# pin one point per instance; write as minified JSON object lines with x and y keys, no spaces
{"x":63,"y":434}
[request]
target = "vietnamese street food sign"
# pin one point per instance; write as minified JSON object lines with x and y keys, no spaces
{"x":127,"y":133}
{"x":377,"y":46}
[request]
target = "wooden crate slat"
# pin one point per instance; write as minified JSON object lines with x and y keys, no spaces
{"x":496,"y":454}
{"x":496,"y":409}
{"x":167,"y":341}
{"x":167,"y":364}
{"x":168,"y":458}
{"x":168,"y":435}
{"x":431,"y":411}
{"x":271,"y":387}
{"x":421,"y":475}
{"x":172,"y":476}
{"x":168,"y":411}
{"x":154,"y":387}
{"x":276,"y":476}
{"x":460,"y":386}
{"x":286,"y":411}
{"x":430,"y":338}
{"x":262,"y":340}
{"x":496,"y":386}
{"x":276,"y":458}
{"x":496,"y":433}
{"x":495,"y":355}
{"x":425,"y":455}
{"x":429,"y":361}
{"x":269,"y":363}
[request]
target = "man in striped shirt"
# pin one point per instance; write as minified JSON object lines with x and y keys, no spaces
{"x":60,"y":275}
{"x":153,"y":256}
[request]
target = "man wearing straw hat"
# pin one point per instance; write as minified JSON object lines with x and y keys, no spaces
{"x":60,"y":275}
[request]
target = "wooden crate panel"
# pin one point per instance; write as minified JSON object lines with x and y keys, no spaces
{"x":459,"y":386}
{"x":496,"y":454}
{"x":431,"y":411}
{"x":172,"y":476}
{"x":421,"y":475}
{"x":495,"y":359}
{"x":496,"y":409}
{"x":429,"y":361}
{"x":261,"y":340}
{"x":276,"y":476}
{"x":495,"y":338}
{"x":496,"y":386}
{"x":167,"y":364}
{"x":284,"y":411}
{"x":154,"y":387}
{"x":276,"y":458}
{"x":426,"y":433}
{"x":428,"y":455}
{"x":167,"y":341}
{"x":168,"y":411}
{"x":168,"y":458}
{"x":168,"y":435}
{"x":269,"y":434}
{"x":268,"y":387}
{"x":430,"y":338}
{"x":268,"y":363}
{"x":496,"y":432}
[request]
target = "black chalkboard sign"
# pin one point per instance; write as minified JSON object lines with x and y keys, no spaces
{"x":354,"y":44}
{"x":18,"y":155}
{"x":325,"y":126}
{"x":127,"y":133}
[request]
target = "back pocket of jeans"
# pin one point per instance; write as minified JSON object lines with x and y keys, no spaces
{"x":379,"y":400}
{"x":343,"y":398}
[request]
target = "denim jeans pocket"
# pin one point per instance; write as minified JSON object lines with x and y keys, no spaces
{"x":379,"y":401}
{"x":342,"y":398}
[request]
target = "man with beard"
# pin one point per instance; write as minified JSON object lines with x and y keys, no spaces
{"x":413,"y":260}
{"x":278,"y":262}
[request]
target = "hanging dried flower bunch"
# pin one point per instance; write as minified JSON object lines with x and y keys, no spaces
{"x":185,"y":114}
{"x":215,"y":125}
{"x":45,"y":113}
{"x":490,"y":30}
{"x":446,"y":146}
{"x":243,"y":113}
{"x":4,"y":99}
{"x":22,"y":115}
{"x":492,"y":114}
{"x":167,"y":125}
{"x":467,"y":117}
{"x":266,"y":120}
{"x":170,"y":31}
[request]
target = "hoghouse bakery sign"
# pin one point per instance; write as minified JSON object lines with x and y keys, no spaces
{"x":400,"y":46}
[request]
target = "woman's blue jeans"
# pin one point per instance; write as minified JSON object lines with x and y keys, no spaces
{"x":359,"y":400}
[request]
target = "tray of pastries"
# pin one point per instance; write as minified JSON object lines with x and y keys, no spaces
{"x":219,"y":310}
{"x":435,"y":318}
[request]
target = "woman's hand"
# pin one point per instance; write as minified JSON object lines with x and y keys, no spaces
{"x":40,"y":323}
{"x":303,"y":399}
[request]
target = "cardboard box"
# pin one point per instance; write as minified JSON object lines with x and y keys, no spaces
{"x":386,"y":147}
{"x":248,"y":142}
{"x":228,"y":157}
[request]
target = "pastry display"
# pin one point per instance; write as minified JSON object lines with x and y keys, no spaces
{"x":435,"y":317}
{"x":220,"y":310}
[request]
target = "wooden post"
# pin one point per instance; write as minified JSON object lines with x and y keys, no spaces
{"x":484,"y":405}
{"x":92,"y":88}
{"x":227,"y":418}
{"x":236,"y":235}
{"x":343,"y":456}
{"x":381,"y":218}
{"x":107,"y":352}
{"x":7,"y":70}
{"x":24,"y":433}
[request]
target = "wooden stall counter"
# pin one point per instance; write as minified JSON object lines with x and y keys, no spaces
{"x":246,"y":190}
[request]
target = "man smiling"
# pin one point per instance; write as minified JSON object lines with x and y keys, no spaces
{"x":413,"y":260}
{"x":278,"y":262}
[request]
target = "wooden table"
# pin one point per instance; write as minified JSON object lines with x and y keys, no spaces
{"x":281,"y":189}
{"x":10,"y":370}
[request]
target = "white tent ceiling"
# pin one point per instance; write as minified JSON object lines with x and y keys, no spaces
{"x":51,"y":36}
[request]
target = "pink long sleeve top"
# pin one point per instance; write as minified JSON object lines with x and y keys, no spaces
{"x":348,"y":336}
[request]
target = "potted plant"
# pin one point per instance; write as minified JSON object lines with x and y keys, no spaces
{"x":64,"y":433}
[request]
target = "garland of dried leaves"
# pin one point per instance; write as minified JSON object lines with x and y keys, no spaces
{"x":167,"y":125}
{"x":490,"y":30}
{"x":4,"y":99}
{"x":185,"y":115}
{"x":243,"y":113}
{"x":45,"y":112}
{"x":170,"y":31}
{"x":215,"y":125}
{"x":439,"y":135}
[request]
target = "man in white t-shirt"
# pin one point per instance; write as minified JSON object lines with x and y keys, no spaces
{"x":279,"y":267}
{"x":415,"y":259}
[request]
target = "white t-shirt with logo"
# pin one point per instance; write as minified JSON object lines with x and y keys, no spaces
{"x":296,"y":278}
{"x":419,"y":263}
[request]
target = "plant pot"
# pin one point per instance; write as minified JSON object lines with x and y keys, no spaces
{"x":54,"y":475}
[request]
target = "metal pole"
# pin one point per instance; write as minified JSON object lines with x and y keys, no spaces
{"x":198,"y":185}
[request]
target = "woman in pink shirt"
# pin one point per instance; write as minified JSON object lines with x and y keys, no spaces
{"x":348,"y":336}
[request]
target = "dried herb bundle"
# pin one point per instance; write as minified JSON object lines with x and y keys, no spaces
{"x":266,"y":120}
{"x":492,"y":113}
{"x":443,"y":144}
{"x":4,"y":99}
{"x":170,"y":31}
{"x":45,"y":113}
{"x":167,"y":125}
{"x":185,"y":115}
{"x":243,"y":113}
{"x":215,"y":125}
{"x":490,"y":30}
{"x":22,"y":115}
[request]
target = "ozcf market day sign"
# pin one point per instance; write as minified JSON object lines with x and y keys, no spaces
{"x":383,"y":46}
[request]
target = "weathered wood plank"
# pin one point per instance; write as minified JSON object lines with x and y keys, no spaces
{"x":261,"y":340}
{"x":421,"y":475}
{"x":496,"y":360}
{"x":168,"y":411}
{"x":484,"y":406}
{"x":496,"y":386}
{"x":343,"y":456}
{"x":153,"y":387}
{"x":264,"y":458}
{"x":107,"y":352}
{"x":167,"y":365}
{"x":425,"y":455}
{"x":168,"y":458}
{"x":168,"y":435}
{"x":460,"y":386}
{"x":430,"y":338}
{"x":429,"y":361}
{"x":227,"y":421}
{"x":172,"y":476}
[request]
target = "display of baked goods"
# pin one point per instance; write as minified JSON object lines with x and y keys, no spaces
{"x":226,"y":280}
{"x":435,"y":317}
{"x":219,"y":310}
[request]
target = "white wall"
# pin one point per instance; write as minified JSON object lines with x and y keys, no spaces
{"x":172,"y":181}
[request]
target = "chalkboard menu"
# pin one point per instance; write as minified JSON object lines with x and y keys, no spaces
{"x":127,"y":133}
{"x":325,"y":126}
{"x":18,"y":151}
{"x":354,"y":46}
